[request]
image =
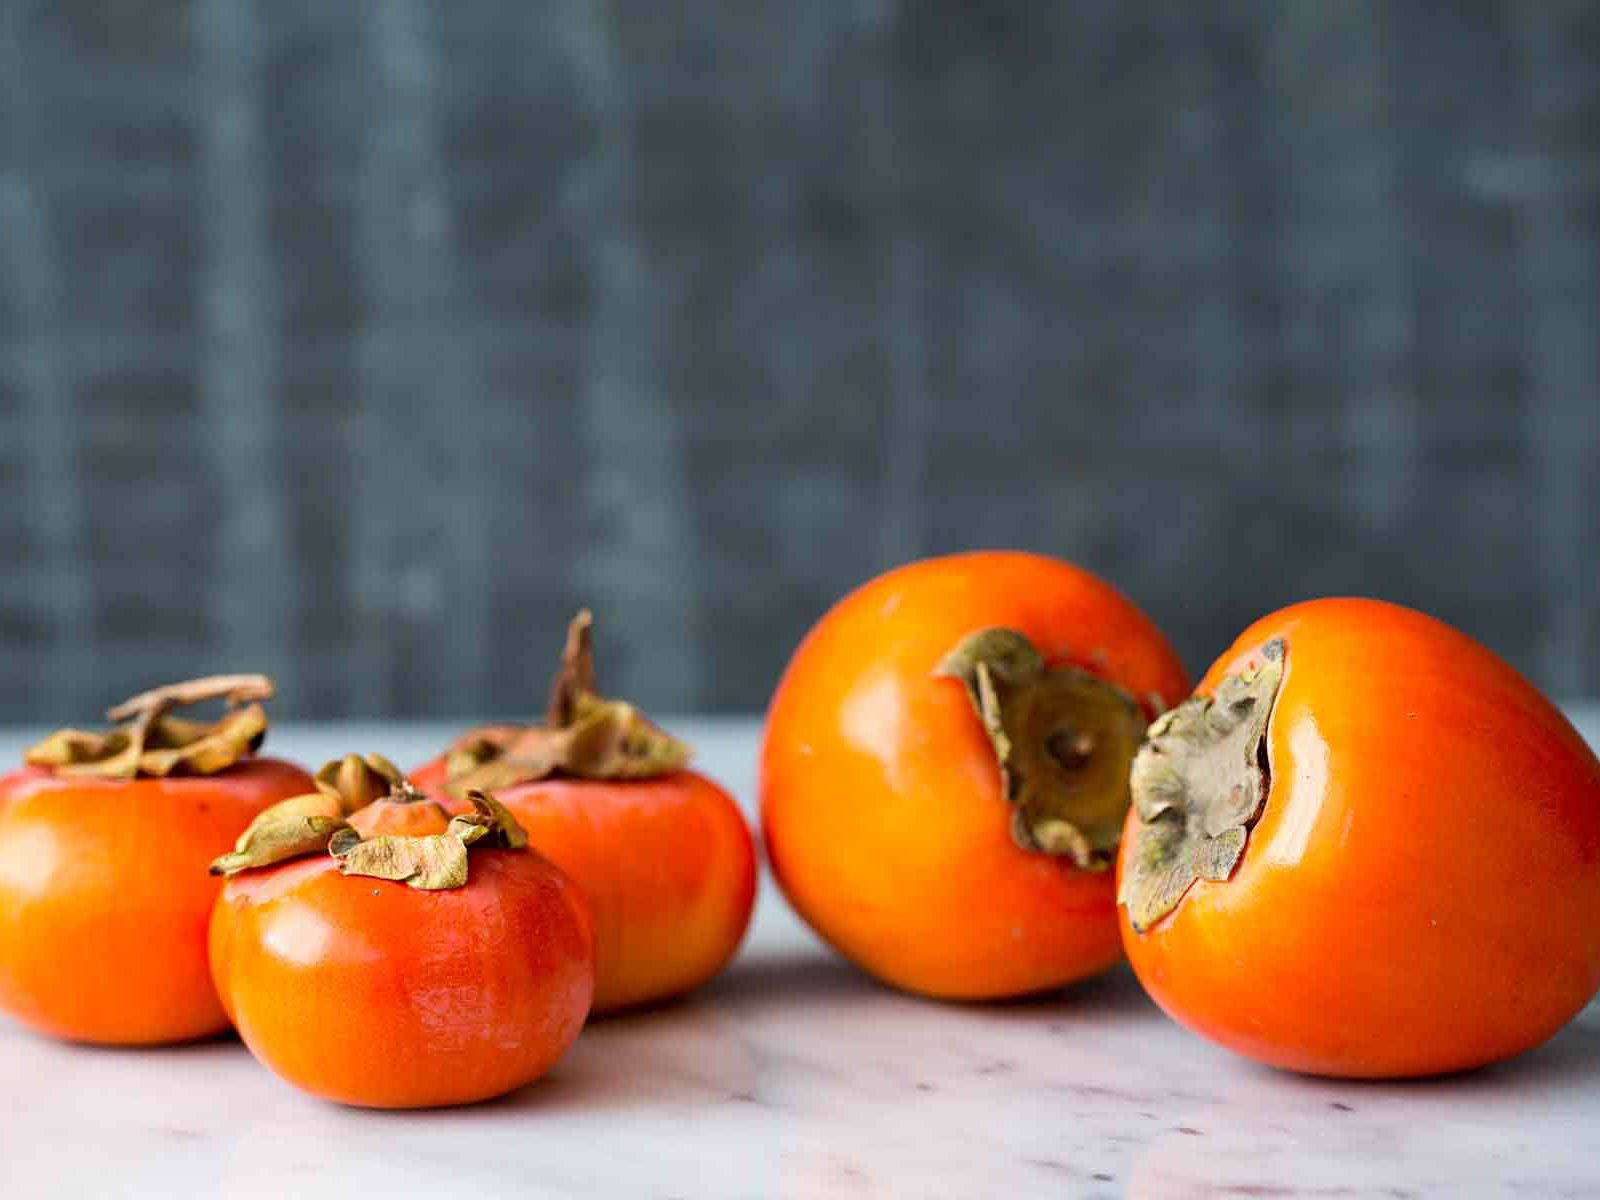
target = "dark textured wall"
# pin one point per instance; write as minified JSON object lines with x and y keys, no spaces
{"x":361,"y":342}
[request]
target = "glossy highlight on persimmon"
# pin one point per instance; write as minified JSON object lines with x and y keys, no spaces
{"x":1368,"y":847}
{"x":944,"y":771}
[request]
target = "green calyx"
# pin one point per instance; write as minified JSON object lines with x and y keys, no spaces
{"x":1200,"y":783}
{"x":1062,"y":738}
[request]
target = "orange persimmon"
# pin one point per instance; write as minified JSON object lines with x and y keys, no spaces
{"x":1366,"y":847}
{"x":662,"y":853}
{"x":104,"y":839}
{"x":396,"y":970}
{"x":944,"y":771}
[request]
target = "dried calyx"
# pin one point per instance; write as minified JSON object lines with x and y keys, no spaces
{"x":432,"y":861}
{"x":583,"y":734}
{"x":1199,"y":784}
{"x":325,"y":821}
{"x":147,"y":740}
{"x":303,"y":825}
{"x":1063,"y":739}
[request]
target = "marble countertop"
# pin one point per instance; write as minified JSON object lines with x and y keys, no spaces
{"x":793,"y":1075}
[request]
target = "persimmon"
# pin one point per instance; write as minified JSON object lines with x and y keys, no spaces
{"x":104,"y":838}
{"x":662,"y":853}
{"x":944,"y":771}
{"x":1365,"y":847}
{"x":374,"y":950}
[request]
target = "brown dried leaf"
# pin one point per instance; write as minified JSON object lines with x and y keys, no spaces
{"x":149,"y":742}
{"x":427,"y":863}
{"x":499,"y":756}
{"x":355,"y":781}
{"x":611,"y":739}
{"x":236,"y":690}
{"x":435,"y":861}
{"x":491,"y":823}
{"x":289,"y":829}
{"x":234,"y":737}
{"x":112,"y":753}
{"x":585,"y":735}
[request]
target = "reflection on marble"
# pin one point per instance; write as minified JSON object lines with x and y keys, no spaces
{"x":795,"y":1076}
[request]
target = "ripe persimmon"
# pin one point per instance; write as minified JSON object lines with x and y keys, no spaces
{"x":104,"y":839}
{"x":662,"y":853}
{"x":944,"y":771}
{"x":376,"y":951}
{"x":1366,"y":847}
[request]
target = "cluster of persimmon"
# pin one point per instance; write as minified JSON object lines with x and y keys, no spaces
{"x":465,"y":920}
{"x":1364,"y":846}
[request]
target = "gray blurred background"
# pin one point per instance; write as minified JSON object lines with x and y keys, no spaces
{"x":359,"y":343}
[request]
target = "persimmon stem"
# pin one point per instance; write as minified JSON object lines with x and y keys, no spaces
{"x":575,"y":677}
{"x":584,"y":734}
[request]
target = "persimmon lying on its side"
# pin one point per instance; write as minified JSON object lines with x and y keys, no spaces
{"x":376,"y":951}
{"x":104,"y":839}
{"x":662,"y":853}
{"x":945,"y":771}
{"x":1366,"y":847}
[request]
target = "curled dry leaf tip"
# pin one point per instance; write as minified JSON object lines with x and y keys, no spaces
{"x":148,"y":741}
{"x":326,"y":821}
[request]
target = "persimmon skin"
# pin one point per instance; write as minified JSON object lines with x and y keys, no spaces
{"x":881,"y":800}
{"x":668,"y":866}
{"x":1421,"y":893}
{"x":376,"y":994}
{"x":105,"y":899}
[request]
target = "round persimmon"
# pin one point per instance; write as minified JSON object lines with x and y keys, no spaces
{"x":104,"y":898}
{"x":1366,"y":847}
{"x":395,"y":970}
{"x":667,"y":864}
{"x":662,"y":853}
{"x":944,"y":771}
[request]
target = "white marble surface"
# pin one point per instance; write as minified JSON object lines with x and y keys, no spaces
{"x":795,"y":1076}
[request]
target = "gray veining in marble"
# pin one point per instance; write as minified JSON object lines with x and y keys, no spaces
{"x":795,"y":1076}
